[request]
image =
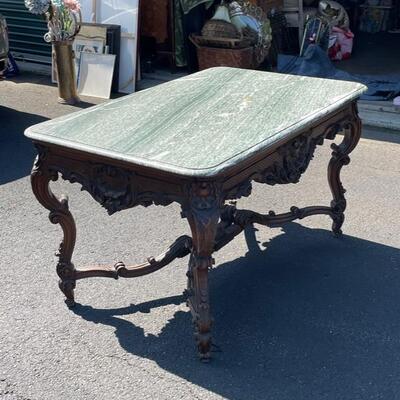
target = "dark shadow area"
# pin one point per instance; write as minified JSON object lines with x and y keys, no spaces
{"x":368,"y":49}
{"x":309,"y":317}
{"x":81,"y":105}
{"x":16,"y":151}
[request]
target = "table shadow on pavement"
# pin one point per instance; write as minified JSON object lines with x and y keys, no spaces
{"x":309,"y":315}
{"x":16,"y":151}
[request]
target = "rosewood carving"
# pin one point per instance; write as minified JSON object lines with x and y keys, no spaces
{"x":294,"y":158}
{"x":113,"y":187}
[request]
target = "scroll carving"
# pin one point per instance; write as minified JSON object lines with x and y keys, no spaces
{"x":41,"y":176}
{"x":112,"y":187}
{"x":294,"y":158}
{"x":242,"y":190}
{"x":340,"y":157}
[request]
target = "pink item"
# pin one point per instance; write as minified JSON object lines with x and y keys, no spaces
{"x":73,"y":5}
{"x":342,"y":44}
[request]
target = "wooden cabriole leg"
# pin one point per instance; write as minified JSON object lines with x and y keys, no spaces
{"x":340,"y":157}
{"x":41,"y":176}
{"x":203,"y":212}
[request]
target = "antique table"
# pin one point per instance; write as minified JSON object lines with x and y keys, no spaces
{"x":199,"y":141}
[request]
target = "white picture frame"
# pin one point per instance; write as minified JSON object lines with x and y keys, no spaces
{"x":80,"y":45}
{"x":96,"y":74}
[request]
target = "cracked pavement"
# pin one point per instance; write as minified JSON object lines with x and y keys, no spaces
{"x":298,"y":313}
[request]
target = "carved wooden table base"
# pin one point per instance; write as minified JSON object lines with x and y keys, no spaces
{"x":214,"y":221}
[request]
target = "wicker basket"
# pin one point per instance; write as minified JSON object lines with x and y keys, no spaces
{"x":220,"y":42}
{"x":219,"y":28}
{"x":209,"y":57}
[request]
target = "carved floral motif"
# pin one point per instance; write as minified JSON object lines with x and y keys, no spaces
{"x":294,"y":158}
{"x":112,"y":187}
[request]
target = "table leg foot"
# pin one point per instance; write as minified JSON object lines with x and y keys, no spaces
{"x":67,"y":282}
{"x":340,"y":157}
{"x":199,"y":304}
{"x":338,"y":220}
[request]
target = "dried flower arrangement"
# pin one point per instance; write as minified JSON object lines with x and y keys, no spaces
{"x":63,"y":17}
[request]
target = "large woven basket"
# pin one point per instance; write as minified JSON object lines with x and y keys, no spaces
{"x":209,"y":57}
{"x":220,"y":42}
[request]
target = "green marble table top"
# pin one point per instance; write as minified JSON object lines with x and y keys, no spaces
{"x":201,"y":124}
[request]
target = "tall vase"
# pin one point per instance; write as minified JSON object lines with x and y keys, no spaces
{"x":66,"y":72}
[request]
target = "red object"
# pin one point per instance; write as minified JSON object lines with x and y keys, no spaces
{"x":342,"y":44}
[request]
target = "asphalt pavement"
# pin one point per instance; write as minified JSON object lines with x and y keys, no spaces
{"x":298,"y":313}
